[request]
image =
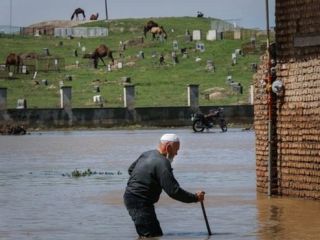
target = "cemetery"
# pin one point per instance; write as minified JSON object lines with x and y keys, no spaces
{"x":159,"y":70}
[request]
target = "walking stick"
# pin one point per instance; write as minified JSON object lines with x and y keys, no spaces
{"x":206,"y":219}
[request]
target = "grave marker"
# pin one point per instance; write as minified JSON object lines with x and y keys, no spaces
{"x":196,"y":35}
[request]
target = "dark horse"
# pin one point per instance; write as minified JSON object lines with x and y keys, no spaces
{"x":77,"y":12}
{"x":99,"y":53}
{"x":150,"y":24}
{"x":13,"y":60}
{"x":94,"y":16}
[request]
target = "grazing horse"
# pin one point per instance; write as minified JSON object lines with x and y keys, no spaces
{"x":158,"y":31}
{"x":77,"y":12}
{"x":13,"y":60}
{"x":94,"y":16}
{"x":99,"y":53}
{"x":150,"y":24}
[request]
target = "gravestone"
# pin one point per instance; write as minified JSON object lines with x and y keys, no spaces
{"x":21,"y":104}
{"x":175,"y":45}
{"x":234,"y":58}
{"x":188,"y":36}
{"x":34,"y":75}
{"x":212,"y":35}
{"x":46,"y":51}
{"x":200,"y":47}
{"x":24,"y":69}
{"x":196,"y":35}
{"x":210,"y":65}
{"x":174,"y":57}
{"x":126,"y":80}
{"x":141,"y":54}
{"x":97,"y":99}
{"x":229,"y":79}
{"x":44,"y":82}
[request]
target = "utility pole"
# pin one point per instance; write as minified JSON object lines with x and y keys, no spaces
{"x":270,"y":103}
{"x":10,"y":16}
{"x":106,"y":9}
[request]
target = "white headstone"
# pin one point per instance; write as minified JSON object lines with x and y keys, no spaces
{"x":35,"y":75}
{"x":120,"y":65}
{"x":83,"y":49}
{"x":21,"y":103}
{"x":196,"y":35}
{"x":212,"y":35}
{"x":24,"y":69}
{"x":97,"y":99}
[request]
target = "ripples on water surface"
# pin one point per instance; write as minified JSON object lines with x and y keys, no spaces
{"x":37,"y":202}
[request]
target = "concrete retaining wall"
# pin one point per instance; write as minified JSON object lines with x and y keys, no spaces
{"x":110,"y":117}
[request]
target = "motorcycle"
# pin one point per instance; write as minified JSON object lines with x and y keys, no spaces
{"x":202,"y":121}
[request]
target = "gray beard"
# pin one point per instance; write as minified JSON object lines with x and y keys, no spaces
{"x":170,"y":158}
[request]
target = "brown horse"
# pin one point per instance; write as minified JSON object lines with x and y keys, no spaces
{"x":99,"y":53}
{"x":13,"y":60}
{"x":94,"y":16}
{"x":158,"y":31}
{"x":77,"y":12}
{"x":150,"y":24}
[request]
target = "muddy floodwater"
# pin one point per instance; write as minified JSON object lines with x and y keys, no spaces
{"x":40,"y":200}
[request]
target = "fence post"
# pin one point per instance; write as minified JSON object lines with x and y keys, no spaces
{"x":193,"y":96}
{"x":3,"y":99}
{"x":65,"y":97}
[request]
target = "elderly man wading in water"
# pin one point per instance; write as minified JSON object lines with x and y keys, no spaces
{"x":149,"y":174}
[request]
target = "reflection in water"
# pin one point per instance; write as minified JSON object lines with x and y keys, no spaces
{"x":37,"y":202}
{"x":283,"y":218}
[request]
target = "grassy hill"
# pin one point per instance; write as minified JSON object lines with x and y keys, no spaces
{"x":156,"y":85}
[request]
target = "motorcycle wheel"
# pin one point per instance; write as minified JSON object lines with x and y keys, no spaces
{"x":223,"y":125}
{"x":197,"y":126}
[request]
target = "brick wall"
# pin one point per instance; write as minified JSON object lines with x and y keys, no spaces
{"x":296,"y":138}
{"x":297,"y":20}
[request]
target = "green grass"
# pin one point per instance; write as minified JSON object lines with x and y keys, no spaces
{"x":156,"y":85}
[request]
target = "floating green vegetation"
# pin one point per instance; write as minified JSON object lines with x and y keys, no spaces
{"x":79,"y":173}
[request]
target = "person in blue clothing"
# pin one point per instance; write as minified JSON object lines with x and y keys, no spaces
{"x":149,"y":175}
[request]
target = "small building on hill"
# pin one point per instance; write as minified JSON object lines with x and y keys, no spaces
{"x":295,"y":156}
{"x":63,"y":28}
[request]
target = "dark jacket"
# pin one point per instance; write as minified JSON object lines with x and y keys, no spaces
{"x":151,"y":173}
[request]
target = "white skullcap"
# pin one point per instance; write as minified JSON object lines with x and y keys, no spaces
{"x":169,"y":137}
